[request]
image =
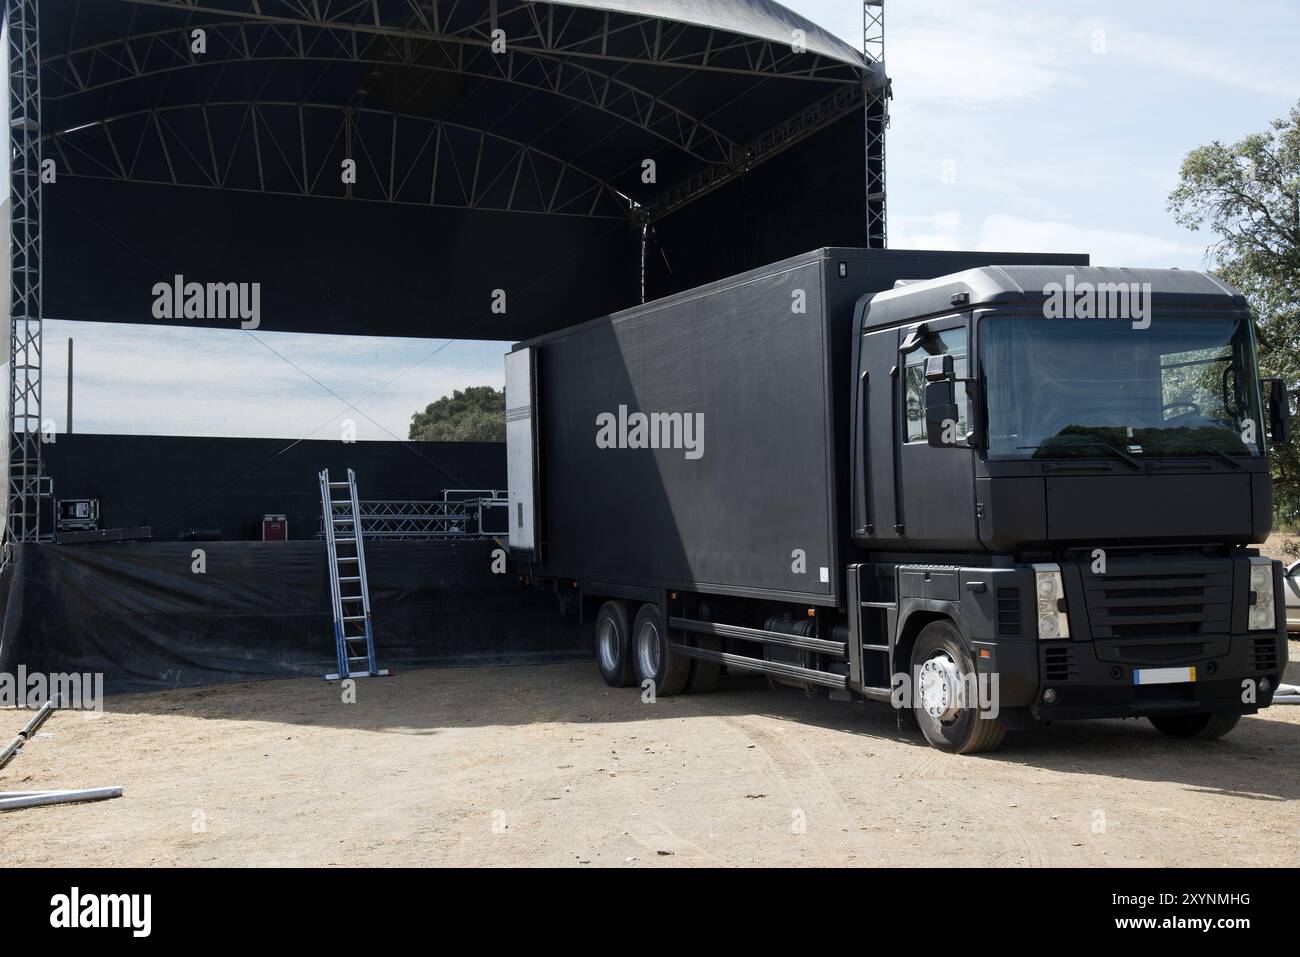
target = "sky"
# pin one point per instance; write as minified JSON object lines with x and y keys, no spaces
{"x":1047,"y":126}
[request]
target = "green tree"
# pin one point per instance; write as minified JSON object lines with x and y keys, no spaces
{"x":477,"y":414}
{"x":1248,"y":195}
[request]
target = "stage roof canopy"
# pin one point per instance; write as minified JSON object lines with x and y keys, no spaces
{"x":519,"y":145}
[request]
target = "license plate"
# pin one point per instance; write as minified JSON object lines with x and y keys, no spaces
{"x":1164,"y":676}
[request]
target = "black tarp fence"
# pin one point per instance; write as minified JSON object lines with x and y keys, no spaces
{"x":144,"y":617}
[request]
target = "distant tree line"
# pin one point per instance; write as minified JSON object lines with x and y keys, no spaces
{"x":477,"y":414}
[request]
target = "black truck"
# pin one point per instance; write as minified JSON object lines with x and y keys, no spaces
{"x":993,"y":490}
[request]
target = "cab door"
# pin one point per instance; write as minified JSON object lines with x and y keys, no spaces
{"x":936,"y":487}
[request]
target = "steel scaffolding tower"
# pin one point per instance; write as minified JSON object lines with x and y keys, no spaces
{"x":25,"y":485}
{"x":873,"y":46}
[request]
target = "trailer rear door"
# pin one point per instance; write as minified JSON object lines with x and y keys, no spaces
{"x":521,"y":449}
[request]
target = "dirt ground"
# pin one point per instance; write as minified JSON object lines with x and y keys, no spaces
{"x":1273,"y":548}
{"x":547,"y":766}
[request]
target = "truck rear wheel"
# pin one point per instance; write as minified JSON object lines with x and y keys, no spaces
{"x":653,"y":657}
{"x":704,"y":674}
{"x":613,"y":645}
{"x":1198,"y":727}
{"x":941,"y":670}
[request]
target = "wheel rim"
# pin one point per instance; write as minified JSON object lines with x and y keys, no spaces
{"x":939,"y":694}
{"x":647,"y":649}
{"x":607,"y":645}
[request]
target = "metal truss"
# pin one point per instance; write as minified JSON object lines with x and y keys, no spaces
{"x":873,"y":45}
{"x":458,"y":517}
{"x":551,"y":47}
{"x":817,"y":117}
{"x":151,"y":55}
{"x":551,"y":28}
{"x":296,"y":149}
{"x":24,"y":450}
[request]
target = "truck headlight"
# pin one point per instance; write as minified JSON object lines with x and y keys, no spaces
{"x":1053,"y":622}
{"x":1263,"y":612}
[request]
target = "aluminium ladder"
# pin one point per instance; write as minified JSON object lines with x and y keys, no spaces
{"x":354,"y":637}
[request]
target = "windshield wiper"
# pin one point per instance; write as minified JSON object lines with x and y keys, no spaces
{"x":1123,"y":456}
{"x":1227,"y":458}
{"x":1120,"y":453}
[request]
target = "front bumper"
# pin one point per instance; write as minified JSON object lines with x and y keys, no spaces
{"x":1090,"y":682}
{"x":1239,"y":676}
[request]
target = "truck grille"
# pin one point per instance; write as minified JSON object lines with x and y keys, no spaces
{"x":1149,"y":599}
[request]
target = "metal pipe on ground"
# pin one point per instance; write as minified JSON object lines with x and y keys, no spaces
{"x":1287,"y":694}
{"x":16,"y":800}
{"x":28,"y":730}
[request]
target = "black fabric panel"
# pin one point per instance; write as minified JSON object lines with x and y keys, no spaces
{"x":811,"y":196}
{"x":174,"y":483}
{"x":332,"y":266}
{"x":139,"y":614}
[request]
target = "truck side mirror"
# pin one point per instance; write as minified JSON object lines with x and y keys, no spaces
{"x":939,"y":368}
{"x":1279,"y":411}
{"x":941,"y":411}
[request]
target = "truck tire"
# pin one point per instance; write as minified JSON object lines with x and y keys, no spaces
{"x":614,"y":645}
{"x":704,"y":674}
{"x":942,"y":663}
{"x":652,"y":656}
{"x":1196,"y":727}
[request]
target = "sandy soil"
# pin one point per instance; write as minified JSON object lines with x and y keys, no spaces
{"x":1273,"y":548}
{"x":547,"y":766}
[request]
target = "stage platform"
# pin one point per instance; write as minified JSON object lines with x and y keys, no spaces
{"x":140,"y":613}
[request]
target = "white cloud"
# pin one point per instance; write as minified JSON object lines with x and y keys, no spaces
{"x":965,"y":54}
{"x":936,"y":64}
{"x":1108,"y":247}
{"x":941,"y":230}
{"x":1003,"y":233}
{"x":1257,"y":73}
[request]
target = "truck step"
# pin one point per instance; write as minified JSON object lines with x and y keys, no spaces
{"x":836,"y":649}
{"x":823,"y":678}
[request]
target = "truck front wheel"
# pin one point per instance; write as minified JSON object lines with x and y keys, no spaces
{"x":613,"y":645}
{"x":942,"y":673}
{"x":1199,"y":727}
{"x":653,"y":656}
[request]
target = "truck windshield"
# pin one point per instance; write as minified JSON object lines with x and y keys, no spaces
{"x":1093,"y":388}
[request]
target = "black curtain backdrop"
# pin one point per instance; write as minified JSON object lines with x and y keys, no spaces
{"x":357,"y":268}
{"x":176,"y":483}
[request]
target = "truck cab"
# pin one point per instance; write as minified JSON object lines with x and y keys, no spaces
{"x":1060,"y":470}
